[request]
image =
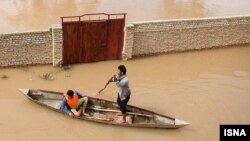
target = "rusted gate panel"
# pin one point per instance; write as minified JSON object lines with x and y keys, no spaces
{"x":115,"y":39}
{"x":71,"y":50}
{"x":92,"y":40}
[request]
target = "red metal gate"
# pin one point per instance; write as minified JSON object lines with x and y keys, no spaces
{"x":92,"y":37}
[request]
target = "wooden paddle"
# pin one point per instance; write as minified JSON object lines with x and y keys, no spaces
{"x":105,"y":85}
{"x":103,"y":88}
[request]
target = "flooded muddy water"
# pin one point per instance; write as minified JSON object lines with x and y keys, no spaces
{"x":21,"y":15}
{"x":206,"y":88}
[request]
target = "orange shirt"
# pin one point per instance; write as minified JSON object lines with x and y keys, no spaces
{"x":72,"y":102}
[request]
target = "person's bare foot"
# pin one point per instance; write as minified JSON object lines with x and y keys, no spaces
{"x":71,"y":115}
{"x":85,"y":114}
{"x":120,"y":120}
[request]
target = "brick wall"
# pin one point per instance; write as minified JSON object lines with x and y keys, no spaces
{"x":25,"y":48}
{"x":141,"y":38}
{"x":34,"y":47}
{"x":145,"y":38}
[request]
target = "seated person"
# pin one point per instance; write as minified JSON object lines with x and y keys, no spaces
{"x":74,"y":104}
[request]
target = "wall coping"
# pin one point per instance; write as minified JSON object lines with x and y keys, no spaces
{"x":163,"y":25}
{"x":26,"y":32}
{"x":190,"y":19}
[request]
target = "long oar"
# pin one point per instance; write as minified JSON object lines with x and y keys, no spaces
{"x":103,"y":88}
{"x":105,"y":85}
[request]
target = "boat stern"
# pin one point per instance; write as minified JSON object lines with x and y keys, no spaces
{"x":24,"y":91}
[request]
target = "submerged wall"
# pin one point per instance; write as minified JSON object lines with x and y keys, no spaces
{"x":141,"y":38}
{"x":25,"y":48}
{"x":145,"y":38}
{"x":33,"y":47}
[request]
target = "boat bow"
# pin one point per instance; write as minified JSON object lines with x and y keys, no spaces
{"x":24,"y":91}
{"x":180,"y":122}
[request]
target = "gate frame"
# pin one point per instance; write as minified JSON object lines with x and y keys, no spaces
{"x":80,"y":19}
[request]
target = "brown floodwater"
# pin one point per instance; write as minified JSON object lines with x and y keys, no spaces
{"x":21,"y":15}
{"x":206,"y":88}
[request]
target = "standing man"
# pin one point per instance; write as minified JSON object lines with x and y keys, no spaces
{"x":124,"y":92}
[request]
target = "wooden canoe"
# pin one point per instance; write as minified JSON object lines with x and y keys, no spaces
{"x":107,"y":112}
